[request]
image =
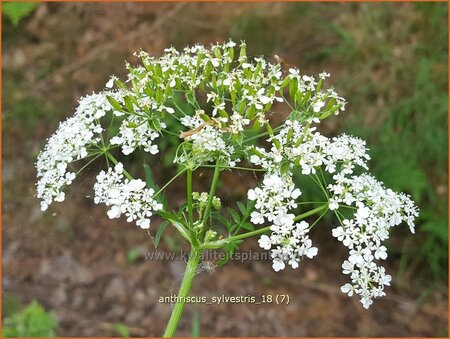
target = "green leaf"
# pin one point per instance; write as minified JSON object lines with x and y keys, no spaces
{"x":234,"y":215}
{"x":155,"y":124}
{"x":222,"y":220}
{"x":242,"y":208}
{"x":149,"y":178}
{"x":16,"y":11}
{"x":128,"y":104}
{"x":160,"y":231}
{"x":248,"y":226}
{"x":122,"y":330}
{"x":114,"y":103}
{"x":229,"y":250}
{"x":120,"y":84}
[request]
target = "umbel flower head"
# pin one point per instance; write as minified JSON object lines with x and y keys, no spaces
{"x":232,"y":98}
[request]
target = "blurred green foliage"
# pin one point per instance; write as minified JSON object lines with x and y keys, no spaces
{"x":10,"y":304}
{"x":133,"y":255}
{"x":32,"y":322}
{"x":16,"y":11}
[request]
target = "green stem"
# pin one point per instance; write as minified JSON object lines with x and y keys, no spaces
{"x":212,"y":191}
{"x":220,"y":243}
{"x":236,"y":168}
{"x":115,"y":161}
{"x":170,"y":181}
{"x":189,"y":197}
{"x":189,"y":274}
{"x":312,"y":212}
{"x":89,"y":162}
{"x":276,"y":129}
{"x":170,"y":133}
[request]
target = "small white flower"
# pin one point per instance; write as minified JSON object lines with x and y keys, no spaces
{"x":333,"y":204}
{"x":380,"y":253}
{"x":264,"y":242}
{"x":278,"y":265}
{"x":265,"y":99}
{"x":347,"y":289}
{"x":110,"y":82}
{"x":293,"y":263}
{"x":114,"y":212}
{"x":318,"y":106}
{"x":256,"y":218}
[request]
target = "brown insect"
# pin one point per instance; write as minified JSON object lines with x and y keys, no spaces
{"x":187,"y":134}
{"x":284,"y":65}
{"x":279,"y":59}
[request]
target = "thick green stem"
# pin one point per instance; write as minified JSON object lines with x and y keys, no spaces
{"x":221,"y":243}
{"x":189,"y":274}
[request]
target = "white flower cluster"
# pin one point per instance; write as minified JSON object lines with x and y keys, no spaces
{"x":239,"y":92}
{"x":134,"y":132}
{"x":295,"y":145}
{"x":289,"y":241}
{"x":69,"y":143}
{"x":377,"y":210}
{"x":128,"y":197}
{"x":206,"y":144}
{"x":274,"y":199}
{"x":300,"y":146}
